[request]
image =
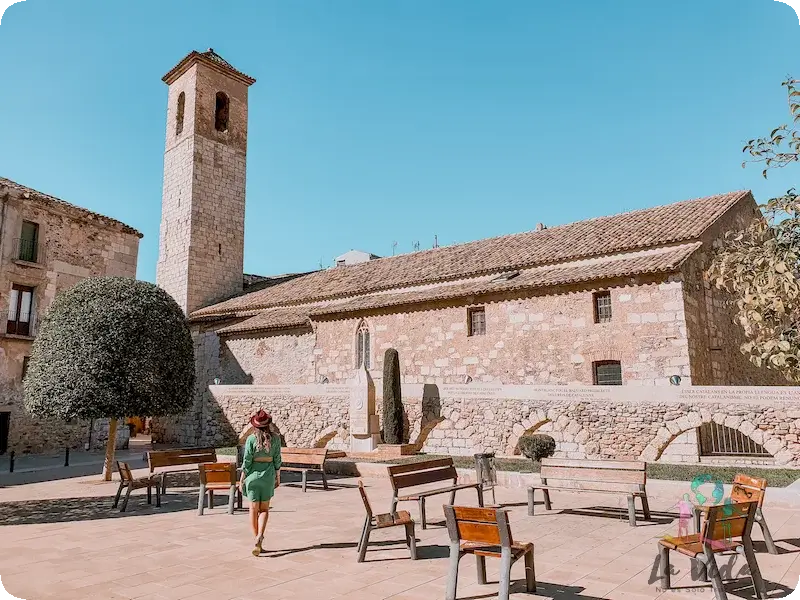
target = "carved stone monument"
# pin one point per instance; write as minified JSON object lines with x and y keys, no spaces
{"x":364,"y":426}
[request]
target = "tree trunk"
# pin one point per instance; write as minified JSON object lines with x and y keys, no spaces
{"x":108,"y":465}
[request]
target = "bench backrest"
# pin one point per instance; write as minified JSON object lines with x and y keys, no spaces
{"x":479,"y":525}
{"x":364,"y":498}
{"x":420,"y":473}
{"x":124,"y":471}
{"x":219,"y":473}
{"x":304,"y":456}
{"x":594,"y":474}
{"x":180,"y":456}
{"x":727,"y":521}
{"x":748,"y":489}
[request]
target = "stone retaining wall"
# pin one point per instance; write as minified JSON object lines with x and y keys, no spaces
{"x":586,"y":422}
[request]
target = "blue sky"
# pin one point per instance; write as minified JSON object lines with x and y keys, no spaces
{"x":375,"y":122}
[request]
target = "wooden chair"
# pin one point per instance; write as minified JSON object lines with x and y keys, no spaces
{"x":126,"y":480}
{"x":383,"y":522}
{"x":485,"y":532}
{"x":217,"y":477}
{"x":724,"y":522}
{"x":745,"y":489}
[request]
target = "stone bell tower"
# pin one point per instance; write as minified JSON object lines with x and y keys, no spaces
{"x":201,"y":247}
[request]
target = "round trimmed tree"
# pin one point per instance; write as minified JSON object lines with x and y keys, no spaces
{"x":111,"y":347}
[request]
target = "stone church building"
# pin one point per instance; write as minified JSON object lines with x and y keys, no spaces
{"x":617,"y":300}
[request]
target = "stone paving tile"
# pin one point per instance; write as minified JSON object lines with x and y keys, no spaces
{"x":62,"y":540}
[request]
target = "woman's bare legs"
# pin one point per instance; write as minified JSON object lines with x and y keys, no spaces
{"x":254,"y":517}
{"x":263,"y":517}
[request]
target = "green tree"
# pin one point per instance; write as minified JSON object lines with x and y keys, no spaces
{"x":111,"y":347}
{"x":759,"y":266}
{"x":392,"y":398}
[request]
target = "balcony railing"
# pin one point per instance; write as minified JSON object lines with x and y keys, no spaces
{"x":29,"y":250}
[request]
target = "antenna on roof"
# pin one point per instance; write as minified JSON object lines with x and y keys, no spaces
{"x":416,"y":246}
{"x":394,"y":247}
{"x":320,"y":263}
{"x":435,"y":241}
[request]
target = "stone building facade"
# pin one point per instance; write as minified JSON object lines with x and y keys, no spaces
{"x":47,"y":245}
{"x":618,"y":300}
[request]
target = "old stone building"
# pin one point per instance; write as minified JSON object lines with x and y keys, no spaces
{"x":618,"y":300}
{"x":47,"y":245}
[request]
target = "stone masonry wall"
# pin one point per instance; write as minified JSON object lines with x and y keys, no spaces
{"x":72,"y":246}
{"x":268,"y":358}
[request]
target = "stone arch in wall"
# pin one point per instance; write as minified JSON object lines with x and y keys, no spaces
{"x":570,"y":436}
{"x":520,"y":429}
{"x":325,"y":436}
{"x":772,"y":443}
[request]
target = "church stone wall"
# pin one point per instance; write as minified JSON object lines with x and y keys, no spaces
{"x":268,"y":358}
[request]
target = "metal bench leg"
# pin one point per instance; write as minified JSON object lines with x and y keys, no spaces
{"x":530,"y":573}
{"x":714,"y":576}
{"x":547,"y":504}
{"x":324,"y":481}
{"x":453,"y":498}
{"x":771,"y":548}
{"x":530,"y":501}
{"x":119,"y":493}
{"x":305,"y":478}
{"x":663,"y":567}
{"x":755,"y":572}
{"x":696,"y":516}
{"x":452,"y":575}
{"x":210,"y":498}
{"x":422,"y":513}
{"x":645,"y":506}
{"x":361,"y":535}
{"x":364,"y":543}
{"x":149,"y":494}
{"x":231,"y":499}
{"x":158,"y":495}
{"x":201,"y":501}
{"x":163,"y":483}
{"x":631,"y":511}
{"x":505,"y":574}
{"x":125,"y":500}
{"x":480,"y":561}
{"x":411,"y":538}
{"x":480,"y":495}
{"x":394,"y":504}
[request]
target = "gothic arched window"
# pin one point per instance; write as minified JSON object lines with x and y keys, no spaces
{"x":362,"y":346}
{"x":179,"y":113}
{"x":221,"y":114}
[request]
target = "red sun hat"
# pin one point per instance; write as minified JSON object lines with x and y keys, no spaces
{"x":261,"y":419}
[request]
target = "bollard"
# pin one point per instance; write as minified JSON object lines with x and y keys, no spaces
{"x":11,"y":462}
{"x":66,"y":457}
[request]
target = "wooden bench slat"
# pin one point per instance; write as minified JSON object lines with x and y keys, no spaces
{"x":426,"y":493}
{"x":424,"y":477}
{"x":605,"y":475}
{"x":419,"y":466}
{"x":588,"y":486}
{"x":617,"y":465}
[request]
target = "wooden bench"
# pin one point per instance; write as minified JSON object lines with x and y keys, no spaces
{"x":127,"y":480}
{"x":745,"y":489}
{"x":372,"y":522}
{"x":304,"y":460}
{"x":723,"y":524}
{"x":178,"y":457}
{"x":603,"y":476}
{"x":220,"y":477}
{"x":485,"y":532}
{"x":423,"y":473}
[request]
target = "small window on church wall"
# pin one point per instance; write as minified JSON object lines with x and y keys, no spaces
{"x":221,"y":114}
{"x":179,"y":113}
{"x":362,"y":346}
{"x":476,"y":321}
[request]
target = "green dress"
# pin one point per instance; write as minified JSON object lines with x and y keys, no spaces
{"x":259,"y":477}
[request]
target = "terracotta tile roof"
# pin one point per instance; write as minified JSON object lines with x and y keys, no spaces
{"x":649,"y":228}
{"x":46,"y":199}
{"x":210,"y":58}
{"x":274,"y":318}
{"x":662,"y":260}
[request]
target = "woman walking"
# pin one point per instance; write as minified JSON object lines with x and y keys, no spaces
{"x":261,"y":473}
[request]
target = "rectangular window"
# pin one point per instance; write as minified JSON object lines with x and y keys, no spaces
{"x":602,"y":307}
{"x":477,"y":321}
{"x":29,"y":242}
{"x":20,"y":310}
{"x":607,"y":372}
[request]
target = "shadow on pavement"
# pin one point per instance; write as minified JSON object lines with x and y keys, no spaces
{"x":58,"y":473}
{"x":61,"y":510}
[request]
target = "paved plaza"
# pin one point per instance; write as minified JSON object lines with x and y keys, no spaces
{"x":61,"y":539}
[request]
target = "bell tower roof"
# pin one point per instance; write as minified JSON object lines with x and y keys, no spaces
{"x":210,"y":59}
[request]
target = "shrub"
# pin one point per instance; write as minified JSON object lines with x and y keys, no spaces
{"x":111,"y":347}
{"x":392,"y":399}
{"x":537,"y":446}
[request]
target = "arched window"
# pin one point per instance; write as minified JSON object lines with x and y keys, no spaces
{"x":362,"y":346}
{"x":221,"y":114}
{"x":179,"y":113}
